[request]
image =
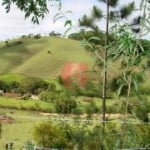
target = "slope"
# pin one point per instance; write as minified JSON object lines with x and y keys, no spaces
{"x":30,"y":56}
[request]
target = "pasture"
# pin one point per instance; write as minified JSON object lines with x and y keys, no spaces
{"x":31,"y":56}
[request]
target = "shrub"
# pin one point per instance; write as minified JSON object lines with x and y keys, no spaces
{"x":37,"y":36}
{"x":92,"y":108}
{"x":23,"y":36}
{"x":9,"y":86}
{"x":7,"y":43}
{"x":65,"y":103}
{"x":26,"y":96}
{"x":33,"y":85}
{"x":47,"y":96}
{"x":141,"y":109}
{"x":144,"y":89}
{"x":3,"y":85}
{"x":51,"y":87}
{"x":85,"y":137}
{"x":91,"y":89}
{"x":148,"y":64}
{"x":28,"y":146}
{"x":47,"y":134}
{"x":77,"y":111}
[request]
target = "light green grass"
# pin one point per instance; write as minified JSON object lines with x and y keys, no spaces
{"x":32,"y":58}
{"x":26,"y":104}
{"x":20,"y":131}
{"x":8,"y":77}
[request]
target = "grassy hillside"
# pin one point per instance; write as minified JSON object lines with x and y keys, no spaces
{"x":30,"y":56}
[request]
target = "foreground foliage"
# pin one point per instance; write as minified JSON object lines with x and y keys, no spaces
{"x":83,"y":136}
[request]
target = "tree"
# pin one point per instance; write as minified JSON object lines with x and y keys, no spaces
{"x":64,"y":102}
{"x":102,"y":51}
{"x":125,"y":41}
{"x":33,"y":85}
{"x":36,"y":9}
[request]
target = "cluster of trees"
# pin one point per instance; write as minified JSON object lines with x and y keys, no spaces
{"x":29,"y":85}
{"x":63,"y":100}
{"x":8,"y":44}
{"x":53,"y":33}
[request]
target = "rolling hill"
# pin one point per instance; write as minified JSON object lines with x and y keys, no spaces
{"x":30,"y":56}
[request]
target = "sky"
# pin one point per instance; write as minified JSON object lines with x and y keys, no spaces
{"x":13,"y":24}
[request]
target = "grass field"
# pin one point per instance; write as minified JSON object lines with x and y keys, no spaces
{"x":20,"y":131}
{"x":26,"y":104}
{"x":31,"y":56}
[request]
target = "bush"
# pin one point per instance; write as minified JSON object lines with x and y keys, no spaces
{"x":119,"y":81}
{"x":65,"y":103}
{"x":144,"y":89}
{"x":141,"y":108}
{"x":9,"y":86}
{"x":47,"y":96}
{"x":92,"y":108}
{"x":49,"y":135}
{"x":3,"y":85}
{"x":77,"y":111}
{"x":28,"y":146}
{"x":91,"y":89}
{"x":33,"y":85}
{"x":85,"y":137}
{"x":37,"y":36}
{"x":51,"y":87}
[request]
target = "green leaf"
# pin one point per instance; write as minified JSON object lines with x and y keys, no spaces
{"x":68,"y":12}
{"x":125,"y":77}
{"x":141,"y":47}
{"x":60,"y":5}
{"x":96,"y":13}
{"x":137,"y":60}
{"x":86,"y":21}
{"x":56,"y":15}
{"x":119,"y":90}
{"x":94,"y":38}
{"x":84,"y":43}
{"x":57,"y":18}
{"x":127,"y":10}
{"x":141,"y":4}
{"x":135,"y":85}
{"x":68,"y":22}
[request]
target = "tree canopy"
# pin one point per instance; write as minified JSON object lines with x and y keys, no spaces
{"x":36,"y":9}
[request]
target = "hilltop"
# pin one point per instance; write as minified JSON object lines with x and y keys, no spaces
{"x":42,"y":57}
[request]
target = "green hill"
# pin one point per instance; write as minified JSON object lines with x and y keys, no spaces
{"x":29,"y":56}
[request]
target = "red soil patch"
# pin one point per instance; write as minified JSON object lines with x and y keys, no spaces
{"x":74,"y":72}
{"x":6,"y":119}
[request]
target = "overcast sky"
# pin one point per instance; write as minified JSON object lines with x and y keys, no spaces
{"x":13,"y":23}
